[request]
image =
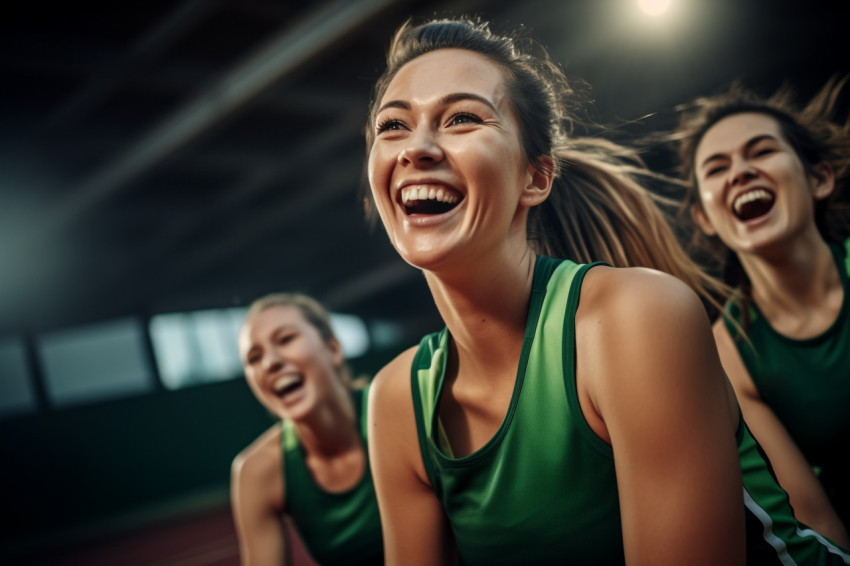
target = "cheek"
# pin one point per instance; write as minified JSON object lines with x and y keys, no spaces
{"x":379,"y":172}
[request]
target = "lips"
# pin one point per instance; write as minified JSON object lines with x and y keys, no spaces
{"x":429,"y":198}
{"x":753,"y":204}
{"x":286,"y":384}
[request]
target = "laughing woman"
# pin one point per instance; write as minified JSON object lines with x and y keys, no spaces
{"x":768,"y":188}
{"x":311,"y":468}
{"x":568,"y":413}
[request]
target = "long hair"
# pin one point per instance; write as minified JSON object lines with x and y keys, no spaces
{"x":816,"y":134}
{"x":598,"y":208}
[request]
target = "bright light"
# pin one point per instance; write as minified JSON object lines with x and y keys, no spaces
{"x":654,"y":7}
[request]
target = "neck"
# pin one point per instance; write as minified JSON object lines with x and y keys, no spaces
{"x":485,"y":308}
{"x":332,"y":428}
{"x":793,"y":282}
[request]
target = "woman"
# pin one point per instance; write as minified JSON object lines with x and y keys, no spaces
{"x":313,"y":466}
{"x":765,"y":183}
{"x":550,"y":430}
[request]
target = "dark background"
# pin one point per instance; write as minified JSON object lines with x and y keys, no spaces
{"x":166,"y":156}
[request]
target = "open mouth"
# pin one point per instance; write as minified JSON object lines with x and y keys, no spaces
{"x":286,"y":384}
{"x":753,"y":204}
{"x":429,"y":199}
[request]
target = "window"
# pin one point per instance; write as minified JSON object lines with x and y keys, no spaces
{"x":95,"y":362}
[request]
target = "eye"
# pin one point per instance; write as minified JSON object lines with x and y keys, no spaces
{"x":711,"y":171}
{"x":285,"y":339}
{"x":764,"y":151}
{"x":389,"y":124}
{"x":252,"y":359}
{"x":464,"y":118}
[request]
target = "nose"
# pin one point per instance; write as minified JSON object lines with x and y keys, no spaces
{"x":422,"y":148}
{"x":272,"y":361}
{"x":741,"y":171}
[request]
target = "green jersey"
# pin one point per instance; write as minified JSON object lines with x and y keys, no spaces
{"x":543,"y":489}
{"x":337,"y":528}
{"x":807,"y":384}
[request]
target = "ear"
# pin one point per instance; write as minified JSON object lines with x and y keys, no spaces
{"x":540,"y":176}
{"x":699,"y":216}
{"x":823,"y":181}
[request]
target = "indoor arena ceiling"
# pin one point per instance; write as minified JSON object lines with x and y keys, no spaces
{"x":164,"y":156}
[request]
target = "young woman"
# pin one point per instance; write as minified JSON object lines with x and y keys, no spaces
{"x":312,"y":467}
{"x":539,"y":427}
{"x":768,"y":190}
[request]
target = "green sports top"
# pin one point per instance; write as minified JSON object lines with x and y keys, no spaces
{"x":337,"y":528}
{"x":543,"y":489}
{"x":807,"y":384}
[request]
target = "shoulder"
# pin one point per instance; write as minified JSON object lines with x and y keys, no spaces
{"x":641,"y":334}
{"x":392,"y":383}
{"x":639,"y":297}
{"x":260,"y":465}
{"x":732,"y":362}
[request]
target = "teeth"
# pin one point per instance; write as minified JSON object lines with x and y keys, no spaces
{"x":421,"y":192}
{"x":285,"y":381}
{"x":757,"y":194}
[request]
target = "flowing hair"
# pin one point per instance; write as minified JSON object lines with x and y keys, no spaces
{"x":815,"y":132}
{"x":599,"y":208}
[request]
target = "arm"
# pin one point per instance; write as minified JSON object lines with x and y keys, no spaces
{"x":650,"y":382}
{"x":414,"y":527}
{"x":257,"y":500}
{"x":795,"y":475}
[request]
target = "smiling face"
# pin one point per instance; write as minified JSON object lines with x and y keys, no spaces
{"x":446,"y":167}
{"x":288,"y":365}
{"x":754,"y":189}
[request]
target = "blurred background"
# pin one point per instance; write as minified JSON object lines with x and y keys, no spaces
{"x":164,"y":163}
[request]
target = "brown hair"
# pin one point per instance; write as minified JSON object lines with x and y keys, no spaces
{"x":598,"y":208}
{"x":812,"y":131}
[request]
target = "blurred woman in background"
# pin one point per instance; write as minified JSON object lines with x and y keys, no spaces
{"x":312,"y":467}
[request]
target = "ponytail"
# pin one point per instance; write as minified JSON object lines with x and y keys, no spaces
{"x":600,"y":210}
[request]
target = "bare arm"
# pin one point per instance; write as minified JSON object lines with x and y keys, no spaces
{"x":808,"y":498}
{"x":651,"y":383}
{"x":414,"y":526}
{"x":257,"y":499}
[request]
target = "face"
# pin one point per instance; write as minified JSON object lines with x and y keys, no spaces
{"x":288,"y":365}
{"x":754,"y":190}
{"x":447,"y":172}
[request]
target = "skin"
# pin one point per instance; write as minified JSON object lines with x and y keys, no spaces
{"x":279,"y":341}
{"x":795,"y":282}
{"x":649,"y":379}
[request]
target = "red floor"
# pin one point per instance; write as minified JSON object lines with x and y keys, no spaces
{"x":206,"y":539}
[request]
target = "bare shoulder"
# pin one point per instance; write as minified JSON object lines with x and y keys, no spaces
{"x":638,"y":296}
{"x":641,"y":334}
{"x":733,"y":365}
{"x":392,"y":421}
{"x":261,"y":464}
{"x":392,"y":383}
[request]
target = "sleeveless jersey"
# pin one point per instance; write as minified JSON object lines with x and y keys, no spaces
{"x":337,"y":528}
{"x":543,"y":489}
{"x":807,"y":384}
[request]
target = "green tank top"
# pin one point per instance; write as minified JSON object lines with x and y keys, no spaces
{"x":337,"y":528}
{"x":807,"y":384}
{"x":543,"y":489}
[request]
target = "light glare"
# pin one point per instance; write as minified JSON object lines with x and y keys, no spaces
{"x":654,"y":7}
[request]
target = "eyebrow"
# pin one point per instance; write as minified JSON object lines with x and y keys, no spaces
{"x":750,"y":143}
{"x":448,"y":99}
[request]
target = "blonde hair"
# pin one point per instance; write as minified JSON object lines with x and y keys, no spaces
{"x":313,"y":312}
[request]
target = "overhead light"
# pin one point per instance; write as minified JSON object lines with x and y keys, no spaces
{"x":654,"y":7}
